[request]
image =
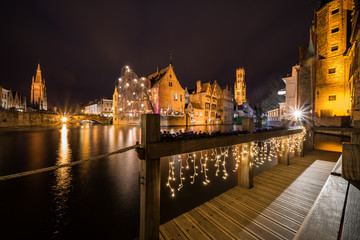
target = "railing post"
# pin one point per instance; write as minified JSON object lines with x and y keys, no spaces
{"x":285,"y":151}
{"x":246,"y":170}
{"x":150,"y":178}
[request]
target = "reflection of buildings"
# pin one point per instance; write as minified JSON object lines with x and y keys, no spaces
{"x":11,"y":99}
{"x":167,"y":95}
{"x":103,"y":107}
{"x":38,"y":91}
{"x":62,"y":185}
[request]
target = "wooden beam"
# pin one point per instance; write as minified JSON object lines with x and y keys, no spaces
{"x":351,"y":225}
{"x":350,"y":168}
{"x":323,"y":220}
{"x":246,"y":166}
{"x":355,"y":137}
{"x":285,"y":151}
{"x":164,"y":149}
{"x":150,"y":178}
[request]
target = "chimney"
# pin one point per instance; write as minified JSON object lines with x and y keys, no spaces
{"x":198,"y":86}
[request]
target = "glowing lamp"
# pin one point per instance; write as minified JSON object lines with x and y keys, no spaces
{"x":297,"y":114}
{"x":64,"y":119}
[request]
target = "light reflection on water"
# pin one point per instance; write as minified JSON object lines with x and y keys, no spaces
{"x":62,"y":185}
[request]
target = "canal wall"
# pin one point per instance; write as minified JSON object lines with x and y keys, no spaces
{"x":164,"y":121}
{"x":11,"y":118}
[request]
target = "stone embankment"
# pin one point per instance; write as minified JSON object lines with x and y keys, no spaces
{"x":9,"y":118}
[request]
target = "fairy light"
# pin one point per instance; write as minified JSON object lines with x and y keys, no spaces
{"x":203,"y":161}
{"x":182,"y":178}
{"x":171,"y":176}
{"x":193,"y":160}
{"x":225,"y":155}
{"x":236,"y":155}
{"x":258,"y":151}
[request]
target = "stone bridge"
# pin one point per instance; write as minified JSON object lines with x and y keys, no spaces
{"x":94,"y":118}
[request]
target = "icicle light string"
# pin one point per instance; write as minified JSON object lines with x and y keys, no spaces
{"x":182,"y":178}
{"x":259,"y":151}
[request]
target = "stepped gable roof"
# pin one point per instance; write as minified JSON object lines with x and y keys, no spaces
{"x":205,"y":86}
{"x":196,"y":105}
{"x":155,"y":77}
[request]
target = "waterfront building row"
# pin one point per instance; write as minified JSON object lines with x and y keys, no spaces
{"x":12,"y":100}
{"x":208,"y":103}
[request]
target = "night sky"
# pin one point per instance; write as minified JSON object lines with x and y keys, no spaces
{"x":82,"y":45}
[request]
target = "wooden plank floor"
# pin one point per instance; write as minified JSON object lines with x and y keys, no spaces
{"x":273,"y":209}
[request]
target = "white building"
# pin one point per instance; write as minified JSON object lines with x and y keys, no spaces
{"x":291,"y":92}
{"x":104,"y":107}
{"x":287,"y":108}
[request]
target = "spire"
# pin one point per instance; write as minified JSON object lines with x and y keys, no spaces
{"x":38,"y":68}
{"x":171,"y":58}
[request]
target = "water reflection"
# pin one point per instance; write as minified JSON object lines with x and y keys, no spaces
{"x":61,"y":188}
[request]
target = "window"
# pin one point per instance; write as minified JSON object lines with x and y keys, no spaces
{"x":332,"y":98}
{"x":335,"y":11}
{"x":170,"y":84}
{"x":334,"y":48}
{"x":175,"y":97}
{"x":335,"y":29}
{"x":332,"y":70}
{"x":200,"y":114}
{"x":180,"y":98}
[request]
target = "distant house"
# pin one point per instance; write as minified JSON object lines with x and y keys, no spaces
{"x":244,"y":110}
{"x":12,"y":100}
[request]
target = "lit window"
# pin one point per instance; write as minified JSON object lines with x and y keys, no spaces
{"x":332,"y":70}
{"x":332,"y":98}
{"x":335,"y":29}
{"x":175,"y":97}
{"x":334,"y":48}
{"x":334,"y":11}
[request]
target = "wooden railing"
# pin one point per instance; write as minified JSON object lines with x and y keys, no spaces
{"x":152,"y":150}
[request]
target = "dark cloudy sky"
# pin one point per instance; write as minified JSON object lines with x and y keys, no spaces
{"x":82,"y":45}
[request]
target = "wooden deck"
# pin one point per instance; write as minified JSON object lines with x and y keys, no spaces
{"x":273,"y":209}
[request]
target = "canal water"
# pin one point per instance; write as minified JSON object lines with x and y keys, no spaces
{"x":98,"y":199}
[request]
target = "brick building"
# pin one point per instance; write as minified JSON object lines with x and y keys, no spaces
{"x":167,"y":94}
{"x":332,"y":90}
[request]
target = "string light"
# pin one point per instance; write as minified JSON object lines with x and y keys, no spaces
{"x":258,"y":151}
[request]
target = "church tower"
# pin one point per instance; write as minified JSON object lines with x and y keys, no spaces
{"x":38,"y":91}
{"x":240,"y":87}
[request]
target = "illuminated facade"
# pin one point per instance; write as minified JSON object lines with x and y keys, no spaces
{"x":332,"y":89}
{"x":213,"y":104}
{"x":167,"y":95}
{"x":291,"y":99}
{"x":240,"y":87}
{"x":354,"y":66}
{"x":38,"y":91}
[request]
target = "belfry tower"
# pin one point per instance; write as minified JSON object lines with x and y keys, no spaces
{"x":38,"y":91}
{"x":240,"y":87}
